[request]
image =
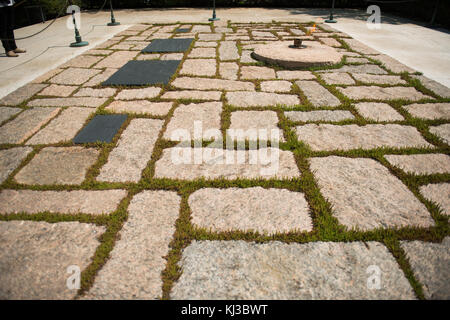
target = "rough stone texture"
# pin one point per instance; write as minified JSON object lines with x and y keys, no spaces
{"x":380,"y":93}
{"x":10,"y":159}
{"x":67,"y":165}
{"x":319,"y":115}
{"x":280,"y":53}
{"x":378,"y":79}
{"x":148,"y":56}
{"x":134,"y":94}
{"x":364,"y":195}
{"x":228,"y":51}
{"x":22,"y":94}
{"x":246,"y":57}
{"x":337,"y":78}
{"x":89,"y":92}
{"x":140,"y":107}
{"x":276,"y":86}
{"x":295,"y":75}
{"x":201,"y":52}
{"x":255,"y":120}
{"x":265,"y":163}
{"x":34,"y":257}
{"x":442,"y":131}
{"x":434,"y":86}
{"x":357,"y":60}
{"x":360,"y":47}
{"x":192,"y":94}
{"x":47,"y":75}
{"x":199,"y":67}
{"x":212,"y":84}
{"x":58,"y":90}
{"x":133,"y":151}
{"x":331,"y":137}
{"x":263,"y":210}
{"x":378,"y":111}
{"x":330,"y":42}
{"x":438,"y":193}
{"x":429,"y":111}
{"x":319,"y":270}
{"x":318,"y":95}
{"x":201,"y":28}
{"x":205,"y":44}
{"x":207,"y":116}
{"x":26,"y":124}
{"x":228,"y":70}
{"x":430,"y":263}
{"x":66,"y":202}
{"x":83,"y":61}
{"x":75,"y":76}
{"x":421,"y":163}
{"x":393,"y":64}
{"x":137,"y":260}
{"x":255,"y":72}
{"x":209,"y":37}
{"x":6,"y":113}
{"x":260,"y":99}
{"x":63,"y":128}
{"x":117,"y":59}
{"x":364,"y":68}
{"x":91,"y":102}
{"x":98,"y":79}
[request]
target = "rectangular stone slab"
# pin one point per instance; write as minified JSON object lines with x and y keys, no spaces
{"x":169,"y":45}
{"x":139,"y":73}
{"x":101,"y":128}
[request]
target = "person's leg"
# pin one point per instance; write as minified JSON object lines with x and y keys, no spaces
{"x":4,"y":29}
{"x":10,"y":27}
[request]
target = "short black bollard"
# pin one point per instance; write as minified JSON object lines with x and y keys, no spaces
{"x":331,"y":19}
{"x":214,"y":17}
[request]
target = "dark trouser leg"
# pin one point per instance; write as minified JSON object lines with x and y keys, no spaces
{"x":7,"y":28}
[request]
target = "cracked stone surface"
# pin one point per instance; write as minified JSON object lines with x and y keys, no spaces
{"x":378,"y":111}
{"x":10,"y":159}
{"x":380,"y":93}
{"x":332,"y":137}
{"x":211,"y":163}
{"x":319,"y":115}
{"x":429,"y":111}
{"x":442,"y":131}
{"x":275,"y":270}
{"x":438,"y":193}
{"x":64,"y":166}
{"x":133,"y":151}
{"x":47,"y":249}
{"x":243,"y":209}
{"x":430,"y":263}
{"x":364,"y":195}
{"x":260,"y":99}
{"x":137,"y":260}
{"x":65,"y":202}
{"x":318,"y":95}
{"x":140,"y":107}
{"x":421,"y":163}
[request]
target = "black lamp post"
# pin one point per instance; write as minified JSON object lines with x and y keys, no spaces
{"x":113,"y":19}
{"x":331,"y":19}
{"x":214,"y":18}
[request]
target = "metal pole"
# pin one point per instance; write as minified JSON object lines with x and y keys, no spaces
{"x":433,"y":18}
{"x":214,"y":18}
{"x":78,"y":41}
{"x":113,"y":19}
{"x":331,"y":19}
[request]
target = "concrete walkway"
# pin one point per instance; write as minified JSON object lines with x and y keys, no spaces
{"x":397,"y":38}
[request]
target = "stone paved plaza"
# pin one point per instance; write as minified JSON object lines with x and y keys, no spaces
{"x":349,"y":197}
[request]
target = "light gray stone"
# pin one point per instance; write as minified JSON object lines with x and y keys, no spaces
{"x":260,"y":99}
{"x":421,"y":163}
{"x":318,"y":95}
{"x":10,"y":159}
{"x":6,"y":113}
{"x":99,"y":78}
{"x":438,"y":193}
{"x":26,"y":124}
{"x":35,"y":256}
{"x":75,"y":76}
{"x":251,"y":121}
{"x":188,"y":119}
{"x":381,"y":93}
{"x":64,"y":166}
{"x":117,"y":59}
{"x":357,"y":60}
{"x":201,"y":52}
{"x":90,"y":102}
{"x":140,"y":107}
{"x":133,"y":151}
{"x":430,"y":263}
{"x":434,"y":86}
{"x":295,"y":75}
{"x":228,"y":51}
{"x":228,"y":70}
{"x":137,"y":260}
{"x":337,"y":78}
{"x":276,"y":86}
{"x":429,"y":111}
{"x":319,"y":115}
{"x":209,"y":37}
{"x":65,"y":202}
{"x":63,"y":128}
{"x":22,"y":94}
{"x":442,"y":131}
{"x":378,"y":79}
{"x":266,"y":211}
{"x":192,"y":94}
{"x":255,"y":72}
{"x":319,"y":270}
{"x":378,"y":111}
{"x":392,"y":64}
{"x":135,"y":94}
{"x":246,"y":57}
{"x":83,"y":61}
{"x":100,"y":93}
{"x":58,"y":90}
{"x":199,"y":67}
{"x":213,"y":163}
{"x":347,"y":137}
{"x":212,"y":84}
{"x":364,"y":68}
{"x":366,"y":196}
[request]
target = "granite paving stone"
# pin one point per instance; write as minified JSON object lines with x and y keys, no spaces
{"x":364,"y":68}
{"x":429,"y":111}
{"x":260,"y":99}
{"x":228,"y":70}
{"x":421,"y":163}
{"x":91,"y":102}
{"x":192,"y":94}
{"x":255,"y":72}
{"x":98,"y":79}
{"x":276,"y":86}
{"x":133,"y":94}
{"x":295,"y":75}
{"x":10,"y":159}
{"x":378,"y":79}
{"x":442,"y":131}
{"x":7,"y":112}
{"x":140,"y":107}
{"x":319,"y":115}
{"x":381,"y":93}
{"x":378,"y":111}
{"x":318,"y":95}
{"x":438,"y":193}
{"x":337,"y":78}
{"x":117,"y":59}
{"x":83,"y":61}
{"x":434,"y":86}
{"x":212,"y":84}
{"x":74,"y":76}
{"x":23,"y":93}
{"x":392,"y":64}
{"x":201,"y":52}
{"x":251,"y":121}
{"x":58,"y":90}
{"x":228,"y":51}
{"x":199,"y":67}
